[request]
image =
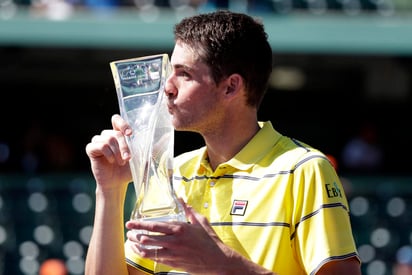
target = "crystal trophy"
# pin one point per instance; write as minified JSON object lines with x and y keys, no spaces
{"x":143,"y":104}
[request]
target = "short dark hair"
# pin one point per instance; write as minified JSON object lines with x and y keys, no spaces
{"x":228,"y":43}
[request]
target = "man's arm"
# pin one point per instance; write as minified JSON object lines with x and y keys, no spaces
{"x":342,"y":267}
{"x":109,"y":156}
{"x":106,"y":250}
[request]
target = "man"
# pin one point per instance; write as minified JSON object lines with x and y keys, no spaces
{"x":257,"y":202}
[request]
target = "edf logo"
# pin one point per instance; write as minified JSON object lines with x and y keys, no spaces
{"x":333,"y":190}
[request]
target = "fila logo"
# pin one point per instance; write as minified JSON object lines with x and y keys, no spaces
{"x":238,"y":207}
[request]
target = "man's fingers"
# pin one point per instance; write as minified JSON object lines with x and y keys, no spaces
{"x":110,"y":144}
{"x":121,"y":125}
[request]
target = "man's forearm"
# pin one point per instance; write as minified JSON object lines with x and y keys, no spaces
{"x":106,"y":248}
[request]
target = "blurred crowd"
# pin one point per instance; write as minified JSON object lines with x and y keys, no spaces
{"x":61,"y":9}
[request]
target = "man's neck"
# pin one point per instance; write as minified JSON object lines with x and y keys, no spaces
{"x":223,"y":145}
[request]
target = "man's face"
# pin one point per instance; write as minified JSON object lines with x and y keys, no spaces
{"x":194,"y":98}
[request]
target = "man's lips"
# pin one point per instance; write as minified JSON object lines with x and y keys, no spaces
{"x":170,"y":108}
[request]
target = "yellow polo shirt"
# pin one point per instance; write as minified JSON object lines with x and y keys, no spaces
{"x":278,"y":202}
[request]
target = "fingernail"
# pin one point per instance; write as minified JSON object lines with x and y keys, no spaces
{"x":128,"y":131}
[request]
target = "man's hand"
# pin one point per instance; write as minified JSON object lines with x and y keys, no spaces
{"x":193,"y":247}
{"x":109,"y":155}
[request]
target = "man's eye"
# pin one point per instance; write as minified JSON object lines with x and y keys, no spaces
{"x":183,"y":74}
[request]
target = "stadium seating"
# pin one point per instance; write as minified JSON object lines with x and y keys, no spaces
{"x":51,"y":216}
{"x":45,"y":217}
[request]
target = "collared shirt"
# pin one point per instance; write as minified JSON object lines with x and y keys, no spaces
{"x":278,"y":202}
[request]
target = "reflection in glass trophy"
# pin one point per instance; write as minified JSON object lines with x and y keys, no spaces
{"x":143,"y":104}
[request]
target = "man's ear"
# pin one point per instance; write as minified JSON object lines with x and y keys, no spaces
{"x":234,"y":84}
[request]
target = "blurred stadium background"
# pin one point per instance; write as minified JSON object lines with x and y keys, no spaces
{"x":341,"y":82}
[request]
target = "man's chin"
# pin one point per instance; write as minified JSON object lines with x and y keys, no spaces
{"x":184,"y":129}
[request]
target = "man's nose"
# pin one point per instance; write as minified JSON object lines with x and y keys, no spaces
{"x":170,"y":88}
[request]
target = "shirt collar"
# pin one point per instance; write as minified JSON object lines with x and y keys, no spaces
{"x":254,"y":150}
{"x":257,"y":147}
